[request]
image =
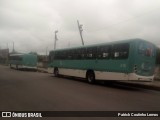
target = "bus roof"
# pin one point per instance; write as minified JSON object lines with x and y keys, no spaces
{"x":106,"y":43}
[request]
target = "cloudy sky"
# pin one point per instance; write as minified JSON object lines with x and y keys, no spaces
{"x":30,"y":24}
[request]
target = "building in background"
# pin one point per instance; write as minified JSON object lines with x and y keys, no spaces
{"x":4,"y":55}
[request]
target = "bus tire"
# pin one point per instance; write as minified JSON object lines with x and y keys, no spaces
{"x":56,"y":72}
{"x":90,"y":77}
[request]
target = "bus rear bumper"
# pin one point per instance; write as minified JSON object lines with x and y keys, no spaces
{"x":26,"y":67}
{"x":135,"y":77}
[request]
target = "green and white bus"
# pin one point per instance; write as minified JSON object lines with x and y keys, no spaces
{"x":21,"y":61}
{"x":132,"y":59}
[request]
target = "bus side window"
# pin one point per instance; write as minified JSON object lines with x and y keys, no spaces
{"x":91,"y":52}
{"x":116,"y":54}
{"x":55,"y":55}
{"x":83,"y":53}
{"x":59,"y":55}
{"x":78,"y":54}
{"x":74,"y":54}
{"x":69,"y":54}
{"x":120,"y":51}
{"x":103,"y":52}
{"x":62,"y":55}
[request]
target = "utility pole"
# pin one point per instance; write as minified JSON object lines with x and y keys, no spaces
{"x":46,"y":52}
{"x":80,"y":31}
{"x":7,"y":46}
{"x":55,"y":39}
{"x":13,"y":48}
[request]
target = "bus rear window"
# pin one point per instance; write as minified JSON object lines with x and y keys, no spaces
{"x":146,"y":49}
{"x":15,"y":58}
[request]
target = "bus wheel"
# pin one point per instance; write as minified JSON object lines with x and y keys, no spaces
{"x":56,"y":72}
{"x":90,"y":77}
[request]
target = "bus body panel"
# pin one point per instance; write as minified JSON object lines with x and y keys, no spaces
{"x":98,"y":65}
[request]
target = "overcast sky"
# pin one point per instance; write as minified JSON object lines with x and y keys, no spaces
{"x":31,"y":23}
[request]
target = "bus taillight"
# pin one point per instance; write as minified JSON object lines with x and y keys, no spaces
{"x":135,"y":68}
